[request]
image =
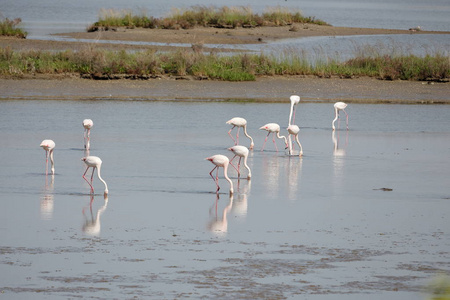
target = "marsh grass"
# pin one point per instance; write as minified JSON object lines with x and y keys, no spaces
{"x":9,"y":28}
{"x":200,"y":15}
{"x":238,"y":67}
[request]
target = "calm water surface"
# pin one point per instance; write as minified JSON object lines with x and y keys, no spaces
{"x":317,"y":227}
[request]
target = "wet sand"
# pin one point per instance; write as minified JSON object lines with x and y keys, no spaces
{"x":266,"y":89}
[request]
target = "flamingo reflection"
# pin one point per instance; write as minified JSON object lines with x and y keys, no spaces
{"x":46,"y":203}
{"x":240,"y":204}
{"x":219,"y":225}
{"x":91,"y":224}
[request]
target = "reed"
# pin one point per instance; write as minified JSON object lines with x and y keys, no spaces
{"x":238,"y":67}
{"x":200,"y":15}
{"x":9,"y":28}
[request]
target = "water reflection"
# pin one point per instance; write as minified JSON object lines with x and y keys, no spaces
{"x":219,"y":224}
{"x":240,"y":204}
{"x":294,"y":169}
{"x":339,"y":153}
{"x":46,"y":203}
{"x":92,"y":224}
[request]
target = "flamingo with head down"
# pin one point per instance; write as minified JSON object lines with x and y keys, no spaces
{"x":48,"y":146}
{"x":294,"y":130}
{"x":242,"y":152}
{"x":87,"y":124}
{"x":338,"y":106}
{"x":273,"y":128}
{"x":239,"y":122}
{"x":220,"y":161}
{"x":94,"y":162}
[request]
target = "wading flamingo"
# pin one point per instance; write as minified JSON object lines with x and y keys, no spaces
{"x":48,"y":146}
{"x":338,"y":106}
{"x":275,"y":129}
{"x":239,"y":122}
{"x":220,"y":161}
{"x":294,"y":130}
{"x":94,"y":162}
{"x":242,"y":152}
{"x":87,"y":124}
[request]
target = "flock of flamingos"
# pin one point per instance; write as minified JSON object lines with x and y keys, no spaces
{"x":218,"y":160}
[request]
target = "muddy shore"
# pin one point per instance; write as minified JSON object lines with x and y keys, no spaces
{"x":68,"y":86}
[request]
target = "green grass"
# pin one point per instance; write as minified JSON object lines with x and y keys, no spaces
{"x":207,"y":16}
{"x":9,"y":28}
{"x":238,"y":67}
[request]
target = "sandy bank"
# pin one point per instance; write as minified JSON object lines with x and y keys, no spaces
{"x":267,"y":89}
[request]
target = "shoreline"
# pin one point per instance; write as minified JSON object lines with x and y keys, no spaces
{"x":120,"y":38}
{"x":264,"y":89}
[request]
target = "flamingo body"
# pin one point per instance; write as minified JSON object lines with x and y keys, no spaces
{"x":338,"y":106}
{"x":242,"y":152}
{"x":94,"y":162}
{"x":220,"y":161}
{"x":87,"y":124}
{"x":48,"y":146}
{"x":239,"y":122}
{"x":273,"y":128}
{"x":294,"y":130}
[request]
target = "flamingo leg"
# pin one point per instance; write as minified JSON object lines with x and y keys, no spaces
{"x":237,"y":170}
{"x":238,"y":166}
{"x":265,"y":142}
{"x":273,"y":139}
{"x":216,"y":180}
{"x":84,"y":177}
{"x":237,"y":136}
{"x":346,"y":117}
{"x":46,"y":162}
{"x":229,"y":133}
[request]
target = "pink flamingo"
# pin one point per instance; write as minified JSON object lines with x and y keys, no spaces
{"x":94,"y":162}
{"x":87,"y":124}
{"x":242,"y":152}
{"x":48,"y":146}
{"x":338,"y":106}
{"x":294,"y":130}
{"x":239,"y":122}
{"x":275,"y":129}
{"x":220,"y":161}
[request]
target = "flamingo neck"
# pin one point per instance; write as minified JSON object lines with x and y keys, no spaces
{"x":300,"y":145}
{"x":290,"y":113}
{"x":247,"y":135}
{"x":52,"y":162}
{"x":101,"y":179}
{"x":225,"y":174}
{"x":247,"y":167}
{"x":335,"y":118}
{"x":281,"y":137}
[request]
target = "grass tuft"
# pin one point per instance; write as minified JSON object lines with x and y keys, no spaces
{"x":9,"y":28}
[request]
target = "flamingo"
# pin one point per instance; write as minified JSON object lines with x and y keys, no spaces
{"x":87,"y":124}
{"x":294,"y":101}
{"x":239,"y":122}
{"x":94,"y":162}
{"x":338,"y":106}
{"x":242,"y":152}
{"x":294,"y":130}
{"x":275,"y":129}
{"x":220,"y":161}
{"x":48,"y":146}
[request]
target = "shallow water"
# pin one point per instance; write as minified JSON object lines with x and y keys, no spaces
{"x":325,"y":226}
